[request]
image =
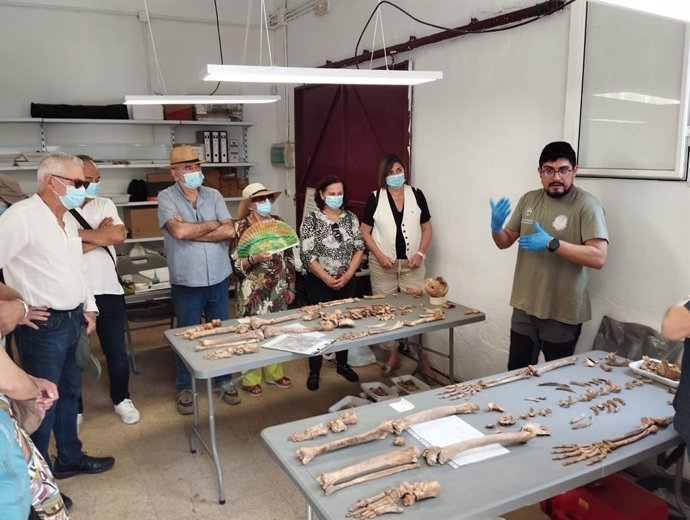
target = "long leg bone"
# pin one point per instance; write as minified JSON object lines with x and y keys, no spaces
{"x":204,"y":326}
{"x":435,"y":455}
{"x":247,"y":348}
{"x":559,"y":363}
{"x":226,"y":344}
{"x":215,"y":331}
{"x":252,"y":334}
{"x":274,"y":331}
{"x":307,"y":454}
{"x":256,"y":322}
{"x":369,"y":469}
{"x":385,"y":327}
{"x":309,"y":433}
{"x":400,"y":425}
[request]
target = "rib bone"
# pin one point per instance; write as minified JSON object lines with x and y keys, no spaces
{"x":228,"y":343}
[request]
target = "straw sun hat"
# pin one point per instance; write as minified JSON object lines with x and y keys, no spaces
{"x":252,"y":190}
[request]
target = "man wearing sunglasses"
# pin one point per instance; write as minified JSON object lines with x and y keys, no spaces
{"x":42,"y":260}
{"x":196,"y":228}
{"x":561,"y":231}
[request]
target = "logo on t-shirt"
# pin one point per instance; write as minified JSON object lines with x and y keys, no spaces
{"x":560,"y":223}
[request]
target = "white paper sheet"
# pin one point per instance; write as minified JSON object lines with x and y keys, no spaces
{"x":449,"y":430}
{"x":306,"y":343}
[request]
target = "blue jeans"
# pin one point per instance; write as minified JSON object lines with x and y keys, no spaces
{"x":190,"y":304}
{"x":49,"y":353}
{"x":110,"y":327}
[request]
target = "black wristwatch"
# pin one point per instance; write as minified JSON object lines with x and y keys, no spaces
{"x":553,"y":244}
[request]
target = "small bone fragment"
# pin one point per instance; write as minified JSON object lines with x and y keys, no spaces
{"x":545,"y":412}
{"x":565,"y":388}
{"x":536,"y":399}
{"x":494,"y":407}
{"x":577,"y":418}
{"x":605,"y":367}
{"x":583,"y":424}
{"x":309,"y":433}
{"x":589,"y":362}
{"x":450,"y":305}
{"x":253,"y":334}
{"x":490,"y":426}
{"x":498,"y":430}
{"x":435,"y":455}
{"x":341,"y":423}
{"x":399,"y":441}
{"x":412,"y":291}
{"x":374,"y":296}
{"x":507,"y":420}
{"x":380,"y":462}
{"x":550,"y":383}
{"x":612,"y":360}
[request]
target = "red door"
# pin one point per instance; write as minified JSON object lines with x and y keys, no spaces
{"x":344,"y":130}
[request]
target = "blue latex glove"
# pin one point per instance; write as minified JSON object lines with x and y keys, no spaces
{"x":536,"y":241}
{"x":499,"y":213}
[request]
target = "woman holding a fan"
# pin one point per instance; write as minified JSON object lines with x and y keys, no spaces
{"x":265,"y":278}
{"x":331,"y":250}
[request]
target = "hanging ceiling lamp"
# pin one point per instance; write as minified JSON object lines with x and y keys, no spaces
{"x":267,"y":74}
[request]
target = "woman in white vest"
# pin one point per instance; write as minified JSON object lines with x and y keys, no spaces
{"x":397,"y":231}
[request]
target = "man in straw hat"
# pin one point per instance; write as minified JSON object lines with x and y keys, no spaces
{"x":10,"y":192}
{"x":196,"y":228}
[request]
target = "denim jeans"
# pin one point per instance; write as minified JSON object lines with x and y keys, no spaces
{"x":49,"y":352}
{"x":190,"y":304}
{"x":110,"y":327}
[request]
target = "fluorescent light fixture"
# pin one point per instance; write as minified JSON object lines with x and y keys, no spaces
{"x":636,"y":97}
{"x":667,"y":8}
{"x":191,"y":100}
{"x":621,"y":121}
{"x":253,"y":74}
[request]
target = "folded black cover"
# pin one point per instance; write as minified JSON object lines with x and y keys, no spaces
{"x":79,"y":111}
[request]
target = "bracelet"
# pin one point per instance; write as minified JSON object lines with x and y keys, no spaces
{"x":26,"y":307}
{"x":249,"y":259}
{"x":421,"y":254}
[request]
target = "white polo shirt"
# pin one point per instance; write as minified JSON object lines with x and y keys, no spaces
{"x":99,"y":264}
{"x":40,"y":260}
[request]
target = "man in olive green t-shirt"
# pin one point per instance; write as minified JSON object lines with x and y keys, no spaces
{"x":561,"y":230}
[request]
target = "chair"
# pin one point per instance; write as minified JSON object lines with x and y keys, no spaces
{"x":151,"y":311}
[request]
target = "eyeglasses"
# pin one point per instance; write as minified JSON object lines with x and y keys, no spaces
{"x":563,"y":171}
{"x":78,"y":183}
{"x":336,"y":232}
{"x":261,"y":198}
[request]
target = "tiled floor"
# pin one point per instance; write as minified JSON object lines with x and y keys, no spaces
{"x":156,"y":477}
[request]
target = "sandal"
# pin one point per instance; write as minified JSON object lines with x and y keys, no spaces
{"x":387,"y":371}
{"x":254,"y":390}
{"x":283,"y":382}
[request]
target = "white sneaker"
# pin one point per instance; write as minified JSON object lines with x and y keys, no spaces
{"x":127,"y":412}
{"x":80,"y":419}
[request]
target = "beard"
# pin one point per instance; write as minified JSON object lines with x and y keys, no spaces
{"x":559,"y":194}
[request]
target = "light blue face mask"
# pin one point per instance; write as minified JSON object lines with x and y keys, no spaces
{"x":264,"y":207}
{"x":193,"y":180}
{"x":395,"y":181}
{"x":3,"y":207}
{"x":73,"y":197}
{"x":334,"y":201}
{"x":94,"y":190}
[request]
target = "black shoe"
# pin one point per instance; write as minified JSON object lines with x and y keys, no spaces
{"x":347,"y":373}
{"x":85,"y":465}
{"x":67,"y":501}
{"x":313,"y":381}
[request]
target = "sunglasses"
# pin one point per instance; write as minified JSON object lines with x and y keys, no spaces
{"x":78,"y":183}
{"x":336,"y":232}
{"x":261,"y":198}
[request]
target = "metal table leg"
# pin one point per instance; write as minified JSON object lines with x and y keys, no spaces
{"x":451,"y":354}
{"x":309,"y":513}
{"x":195,"y":419}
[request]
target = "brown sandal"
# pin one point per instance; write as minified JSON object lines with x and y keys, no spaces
{"x":254,"y":390}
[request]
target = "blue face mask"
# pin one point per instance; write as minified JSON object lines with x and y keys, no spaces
{"x":73,"y":197}
{"x":334,"y":201}
{"x":3,"y":207}
{"x":395,"y":181}
{"x":264,"y":207}
{"x":94,"y":190}
{"x":193,"y":180}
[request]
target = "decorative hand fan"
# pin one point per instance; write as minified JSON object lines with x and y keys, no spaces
{"x":269,"y":236}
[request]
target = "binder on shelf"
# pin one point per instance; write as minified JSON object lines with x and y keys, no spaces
{"x":223,"y":146}
{"x":205,"y":137}
{"x":215,"y":146}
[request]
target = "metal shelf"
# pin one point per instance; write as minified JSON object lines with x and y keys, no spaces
{"x":157,"y":122}
{"x":155,"y":203}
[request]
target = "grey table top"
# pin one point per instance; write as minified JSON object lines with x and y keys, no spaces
{"x":489,"y":488}
{"x":204,"y":369}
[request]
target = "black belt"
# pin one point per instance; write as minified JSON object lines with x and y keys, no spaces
{"x":68,"y":311}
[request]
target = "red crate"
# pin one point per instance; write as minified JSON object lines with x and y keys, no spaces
{"x":611,"y":498}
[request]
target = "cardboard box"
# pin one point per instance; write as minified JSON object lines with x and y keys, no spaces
{"x":178,"y":112}
{"x":228,"y":186}
{"x":142,"y":222}
{"x":212,"y":178}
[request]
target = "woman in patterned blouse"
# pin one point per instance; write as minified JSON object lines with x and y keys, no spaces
{"x":331,"y":249}
{"x":265,"y":282}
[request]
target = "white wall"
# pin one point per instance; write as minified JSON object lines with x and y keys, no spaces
{"x":477,"y":134}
